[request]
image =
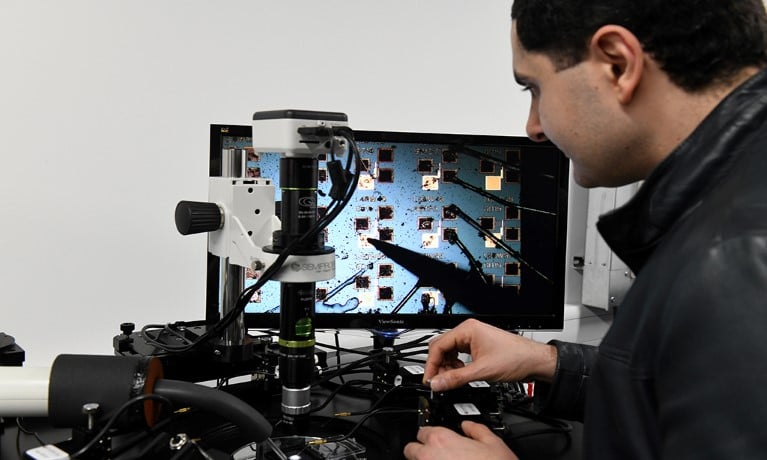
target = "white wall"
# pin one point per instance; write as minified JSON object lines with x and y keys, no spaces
{"x":104,"y":115}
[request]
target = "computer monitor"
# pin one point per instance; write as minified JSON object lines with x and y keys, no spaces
{"x":492,"y":206}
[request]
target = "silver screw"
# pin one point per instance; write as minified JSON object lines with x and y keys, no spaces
{"x":90,"y":410}
{"x":389,"y":351}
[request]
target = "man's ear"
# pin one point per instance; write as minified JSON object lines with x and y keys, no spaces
{"x":623,"y":58}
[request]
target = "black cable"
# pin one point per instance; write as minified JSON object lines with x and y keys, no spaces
{"x":346,"y":368}
{"x":220,"y":433}
{"x":343,"y":437}
{"x":347,"y":350}
{"x":338,"y":354}
{"x":361,"y":421}
{"x":177,"y":334}
{"x":370,"y":358}
{"x":165,"y":328}
{"x":26,"y":431}
{"x":412,"y":353}
{"x":381,"y":399}
{"x":346,"y":371}
{"x":337,"y":390}
{"x":413,"y":360}
{"x":400,"y":347}
{"x":413,"y":343}
{"x":151,"y":445}
{"x":519,"y":403}
{"x":355,"y":391}
{"x":254,"y":426}
{"x":112,"y":420}
{"x":125,"y":446}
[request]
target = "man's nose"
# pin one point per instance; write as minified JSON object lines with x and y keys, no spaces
{"x":533,"y":128}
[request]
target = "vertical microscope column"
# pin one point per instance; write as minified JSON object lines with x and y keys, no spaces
{"x":298,"y":183}
{"x":232,"y":277}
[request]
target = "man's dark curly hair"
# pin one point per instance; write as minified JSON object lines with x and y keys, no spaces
{"x":698,"y":43}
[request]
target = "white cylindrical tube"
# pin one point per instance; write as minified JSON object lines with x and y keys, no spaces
{"x":24,"y":391}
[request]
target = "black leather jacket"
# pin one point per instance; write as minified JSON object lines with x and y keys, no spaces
{"x":682,"y":372}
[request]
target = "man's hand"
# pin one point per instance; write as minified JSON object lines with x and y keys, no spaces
{"x":497,"y":356}
{"x":436,"y":442}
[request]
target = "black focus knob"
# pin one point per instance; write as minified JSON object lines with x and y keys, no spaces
{"x":127,"y":328}
{"x":197,"y":217}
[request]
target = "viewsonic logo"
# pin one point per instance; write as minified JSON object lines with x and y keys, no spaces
{"x":391,"y":322}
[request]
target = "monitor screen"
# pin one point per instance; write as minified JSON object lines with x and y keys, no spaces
{"x":441,"y":228}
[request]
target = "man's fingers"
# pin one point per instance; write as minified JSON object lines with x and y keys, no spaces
{"x":444,"y":350}
{"x":412,"y":449}
{"x":478,"y":431}
{"x":434,"y":434}
{"x":436,"y":367}
{"x":454,"y":378}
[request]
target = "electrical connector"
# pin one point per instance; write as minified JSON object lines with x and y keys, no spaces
{"x":340,"y":179}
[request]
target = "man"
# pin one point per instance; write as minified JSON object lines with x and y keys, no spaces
{"x":672,"y":93}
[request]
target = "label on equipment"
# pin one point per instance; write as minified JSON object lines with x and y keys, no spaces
{"x":466,"y":409}
{"x":414,"y":369}
{"x":48,"y":452}
{"x":479,"y":384}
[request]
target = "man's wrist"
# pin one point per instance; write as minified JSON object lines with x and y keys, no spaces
{"x":545,"y":363}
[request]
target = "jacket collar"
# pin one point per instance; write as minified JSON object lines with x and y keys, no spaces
{"x":678,"y":184}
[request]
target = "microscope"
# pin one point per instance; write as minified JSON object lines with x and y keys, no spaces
{"x":246,"y":231}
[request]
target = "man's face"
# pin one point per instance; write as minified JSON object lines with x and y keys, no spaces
{"x":573,"y":109}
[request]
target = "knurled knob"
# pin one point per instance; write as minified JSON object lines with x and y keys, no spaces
{"x":197,"y":217}
{"x":127,"y":328}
